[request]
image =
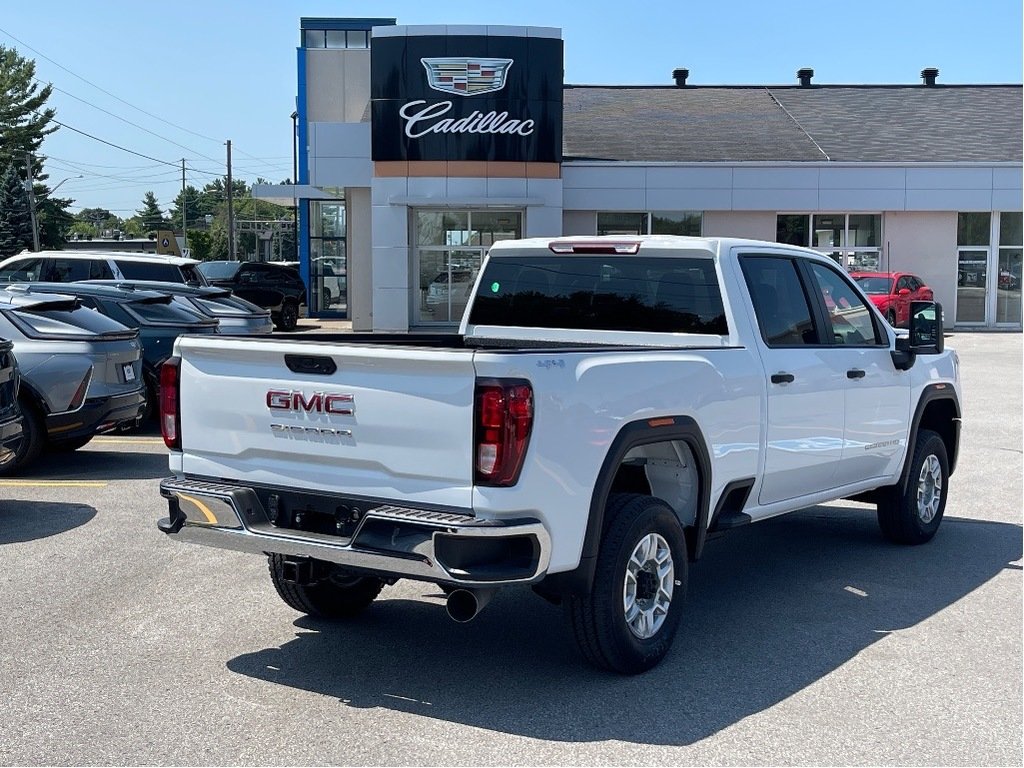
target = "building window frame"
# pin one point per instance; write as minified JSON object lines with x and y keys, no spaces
{"x":455,"y":249}
{"x":852,"y":258}
{"x":646,"y":222}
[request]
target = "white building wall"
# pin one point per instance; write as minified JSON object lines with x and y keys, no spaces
{"x":924,"y":243}
{"x":359,"y":244}
{"x":757,"y":225}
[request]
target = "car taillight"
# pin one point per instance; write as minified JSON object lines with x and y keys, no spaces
{"x":170,"y":403}
{"x":504,"y":418}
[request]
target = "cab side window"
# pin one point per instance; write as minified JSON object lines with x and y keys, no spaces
{"x":780,"y":304}
{"x":850,"y":321}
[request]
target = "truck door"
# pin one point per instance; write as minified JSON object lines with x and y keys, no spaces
{"x":876,"y":399}
{"x":804,"y":426}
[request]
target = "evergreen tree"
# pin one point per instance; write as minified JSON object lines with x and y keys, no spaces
{"x":15,"y":218}
{"x":24,"y":116}
{"x":25,"y":121}
{"x":150,"y":215}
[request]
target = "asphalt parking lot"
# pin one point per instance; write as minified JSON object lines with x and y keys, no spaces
{"x":808,"y":639}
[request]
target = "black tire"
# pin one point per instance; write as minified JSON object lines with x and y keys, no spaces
{"x":33,"y":436}
{"x":914,"y":516}
{"x":326,"y":300}
{"x":890,"y":317}
{"x":599,"y":620}
{"x":65,"y":446}
{"x":288,"y":318}
{"x":339,"y":595}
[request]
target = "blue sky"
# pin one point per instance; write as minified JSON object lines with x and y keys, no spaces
{"x":210,"y":71}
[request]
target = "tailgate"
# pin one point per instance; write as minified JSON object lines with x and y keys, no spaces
{"x":388,"y":423}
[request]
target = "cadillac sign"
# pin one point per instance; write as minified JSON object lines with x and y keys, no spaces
{"x":500,"y":100}
{"x":466,"y":77}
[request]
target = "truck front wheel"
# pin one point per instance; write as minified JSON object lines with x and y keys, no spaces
{"x":628,"y":621}
{"x":913,"y":516}
{"x":338,"y":594}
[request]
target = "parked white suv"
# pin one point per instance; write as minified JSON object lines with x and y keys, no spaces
{"x":72,"y":266}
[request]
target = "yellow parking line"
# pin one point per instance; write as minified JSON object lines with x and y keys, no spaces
{"x":210,"y":518}
{"x":55,"y":483}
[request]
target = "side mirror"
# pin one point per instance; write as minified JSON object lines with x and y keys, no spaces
{"x":926,"y":328}
{"x":903,"y":292}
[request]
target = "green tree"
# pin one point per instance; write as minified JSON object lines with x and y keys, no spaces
{"x":24,"y":117}
{"x":150,"y":216}
{"x":15,"y":219}
{"x":191,"y":204}
{"x":25,"y":121}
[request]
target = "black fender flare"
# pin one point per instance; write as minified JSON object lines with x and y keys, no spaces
{"x":631,"y":435}
{"x":930,"y":394}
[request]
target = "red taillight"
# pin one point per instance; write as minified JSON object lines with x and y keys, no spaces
{"x":504,"y":417}
{"x":170,"y":402}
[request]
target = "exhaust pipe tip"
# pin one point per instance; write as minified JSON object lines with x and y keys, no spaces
{"x":463,"y":605}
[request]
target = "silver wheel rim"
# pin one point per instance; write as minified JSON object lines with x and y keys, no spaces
{"x":647,"y":592}
{"x":929,"y":489}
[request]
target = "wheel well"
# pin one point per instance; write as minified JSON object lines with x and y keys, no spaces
{"x":941,"y":417}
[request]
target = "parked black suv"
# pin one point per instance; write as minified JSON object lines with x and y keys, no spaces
{"x":273,"y":287}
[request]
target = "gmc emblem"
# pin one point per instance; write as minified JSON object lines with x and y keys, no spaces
{"x":318,"y":402}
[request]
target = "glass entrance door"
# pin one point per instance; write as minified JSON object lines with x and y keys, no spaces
{"x":971,"y":285}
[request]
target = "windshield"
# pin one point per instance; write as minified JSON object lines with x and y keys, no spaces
{"x":63,"y":322}
{"x":875,"y":285}
{"x":219,"y":270}
{"x":162,"y":312}
{"x":607,"y":292}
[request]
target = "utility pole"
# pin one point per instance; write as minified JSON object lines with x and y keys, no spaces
{"x":232,"y":256}
{"x":184,"y":208}
{"x":31,"y":201}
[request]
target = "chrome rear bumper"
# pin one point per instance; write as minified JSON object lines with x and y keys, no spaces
{"x":391,"y":540}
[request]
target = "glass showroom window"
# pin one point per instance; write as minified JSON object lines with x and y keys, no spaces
{"x":328,"y":261}
{"x":852,"y":239}
{"x":449,"y":247}
{"x":973,"y":236}
{"x":650,"y":223}
{"x":1011,"y":251}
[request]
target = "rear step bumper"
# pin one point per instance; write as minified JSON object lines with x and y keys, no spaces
{"x":390,"y":540}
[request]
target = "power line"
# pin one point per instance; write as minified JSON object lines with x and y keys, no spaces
{"x":127,"y":103}
{"x":110,"y":143}
{"x":98,"y":88}
{"x":124,"y":120}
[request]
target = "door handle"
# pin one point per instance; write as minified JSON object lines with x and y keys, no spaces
{"x":855,"y":373}
{"x":783,"y":378}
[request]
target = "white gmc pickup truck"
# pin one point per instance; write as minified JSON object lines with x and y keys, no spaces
{"x":608,"y":404}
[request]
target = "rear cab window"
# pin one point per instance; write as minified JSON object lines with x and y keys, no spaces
{"x":657,"y":294}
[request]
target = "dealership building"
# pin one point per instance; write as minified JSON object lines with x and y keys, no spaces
{"x":420,"y":146}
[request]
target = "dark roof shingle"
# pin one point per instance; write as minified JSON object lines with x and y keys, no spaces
{"x":792,"y":124}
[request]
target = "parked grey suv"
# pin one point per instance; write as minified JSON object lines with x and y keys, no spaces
{"x":81,"y":372}
{"x":236,"y":316}
{"x":10,"y":414}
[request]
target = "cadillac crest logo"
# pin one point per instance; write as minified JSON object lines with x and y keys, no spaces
{"x":466,"y":76}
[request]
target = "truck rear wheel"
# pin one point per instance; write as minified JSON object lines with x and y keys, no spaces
{"x":628,"y":621}
{"x":339,"y":594}
{"x":913,"y":517}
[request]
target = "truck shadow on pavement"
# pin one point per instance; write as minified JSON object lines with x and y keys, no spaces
{"x":30,"y":520}
{"x":98,"y":465}
{"x":772,"y":609}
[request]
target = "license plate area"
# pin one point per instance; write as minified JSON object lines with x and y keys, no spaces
{"x":129,"y":371}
